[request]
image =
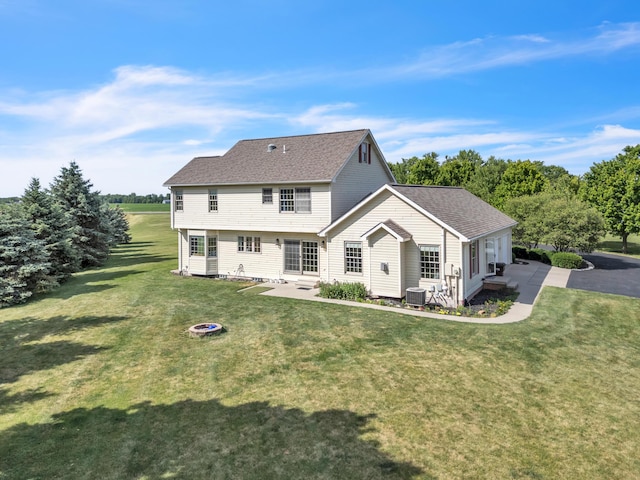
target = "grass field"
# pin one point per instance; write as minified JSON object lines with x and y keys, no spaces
{"x":100,"y":380}
{"x":613,"y":244}
{"x":144,"y":207}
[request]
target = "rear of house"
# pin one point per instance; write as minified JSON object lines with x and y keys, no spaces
{"x":325,"y":207}
{"x":256,"y":210}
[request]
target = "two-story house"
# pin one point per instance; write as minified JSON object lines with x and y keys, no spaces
{"x":325,"y":206}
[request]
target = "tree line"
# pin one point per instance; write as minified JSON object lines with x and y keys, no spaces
{"x":133,"y":198}
{"x":49,"y":234}
{"x":552,"y":206}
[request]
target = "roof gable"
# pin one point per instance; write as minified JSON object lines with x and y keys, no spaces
{"x":304,"y":158}
{"x":454,"y":208}
{"x":390,"y":227}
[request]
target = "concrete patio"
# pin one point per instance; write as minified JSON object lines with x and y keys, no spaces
{"x":530,"y":277}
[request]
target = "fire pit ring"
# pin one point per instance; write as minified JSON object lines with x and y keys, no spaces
{"x":205,"y":329}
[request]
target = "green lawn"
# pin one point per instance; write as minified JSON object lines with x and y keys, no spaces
{"x":613,"y":244}
{"x":100,"y":380}
{"x":143,"y":207}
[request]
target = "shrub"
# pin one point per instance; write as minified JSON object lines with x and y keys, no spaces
{"x":566,"y":260}
{"x":343,"y":291}
{"x":520,"y":252}
{"x":540,"y":255}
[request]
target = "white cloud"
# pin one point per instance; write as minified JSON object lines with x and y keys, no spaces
{"x":133,"y":131}
{"x":497,"y":52}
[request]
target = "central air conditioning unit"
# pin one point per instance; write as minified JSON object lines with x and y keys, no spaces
{"x":416,"y":297}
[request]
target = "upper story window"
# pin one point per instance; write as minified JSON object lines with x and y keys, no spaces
{"x":365,"y":153}
{"x":295,"y":200}
{"x":213,"y":200}
{"x":267,"y":195}
{"x":430,"y":261}
{"x":178,"y":201}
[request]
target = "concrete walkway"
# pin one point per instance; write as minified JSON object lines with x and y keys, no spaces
{"x":530,"y":277}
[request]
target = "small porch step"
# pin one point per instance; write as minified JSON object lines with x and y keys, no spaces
{"x":499,"y":283}
{"x":307,"y":283}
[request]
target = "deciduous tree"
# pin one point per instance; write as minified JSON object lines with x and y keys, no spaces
{"x":613,"y":187}
{"x":417,"y":171}
{"x":522,"y":177}
{"x":552,"y":218}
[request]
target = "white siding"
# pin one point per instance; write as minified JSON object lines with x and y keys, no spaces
{"x":268,"y":264}
{"x":356,"y":180}
{"x":241,"y":208}
{"x":385,"y":249}
{"x":424,"y":232}
{"x":474,"y":284}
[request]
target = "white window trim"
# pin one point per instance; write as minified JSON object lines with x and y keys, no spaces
{"x":347,"y":258}
{"x":213,"y":200}
{"x":295,"y":200}
{"x":178,"y":201}
{"x":254,"y":246}
{"x":439,"y":263}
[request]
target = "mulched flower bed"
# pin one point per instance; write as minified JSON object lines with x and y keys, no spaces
{"x":487,"y":303}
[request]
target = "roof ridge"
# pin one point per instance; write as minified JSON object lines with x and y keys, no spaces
{"x":426,"y":186}
{"x":305,"y":135}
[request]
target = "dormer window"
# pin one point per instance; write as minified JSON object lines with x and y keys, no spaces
{"x":365,"y":153}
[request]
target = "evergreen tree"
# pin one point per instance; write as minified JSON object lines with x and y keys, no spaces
{"x":53,"y":227}
{"x":24,"y":269}
{"x":89,"y":227}
{"x":119,"y":225}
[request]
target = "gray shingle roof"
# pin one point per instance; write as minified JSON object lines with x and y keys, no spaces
{"x":308,"y":158}
{"x":457,"y":208}
{"x":401,"y":232}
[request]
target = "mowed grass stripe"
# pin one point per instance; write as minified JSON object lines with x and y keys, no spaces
{"x":100,"y":379}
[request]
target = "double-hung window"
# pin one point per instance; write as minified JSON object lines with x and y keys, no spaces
{"x":178,"y":201}
{"x":353,"y":257}
{"x":212,"y":246}
{"x":213,"y":200}
{"x":196,"y":246}
{"x":303,"y":200}
{"x":267,"y":195}
{"x":296,"y":200}
{"x":430,"y":261}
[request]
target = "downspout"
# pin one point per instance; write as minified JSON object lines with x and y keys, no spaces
{"x":400,"y":267}
{"x":180,"y":266}
{"x":369,"y":254}
{"x":326,"y":254}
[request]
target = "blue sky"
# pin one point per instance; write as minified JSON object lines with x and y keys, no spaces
{"x":133,"y":89}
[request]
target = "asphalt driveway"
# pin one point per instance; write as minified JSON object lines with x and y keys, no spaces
{"x":612,"y":274}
